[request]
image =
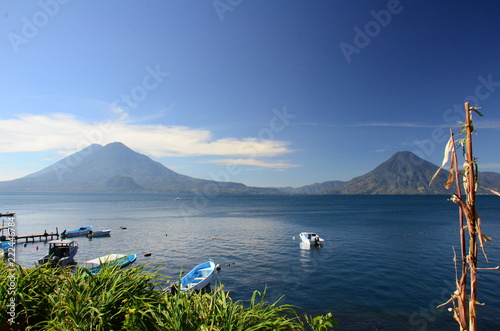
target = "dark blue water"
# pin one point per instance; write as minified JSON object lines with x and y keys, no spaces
{"x":387,"y":261}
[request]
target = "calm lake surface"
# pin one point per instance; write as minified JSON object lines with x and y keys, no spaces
{"x":386,"y":263}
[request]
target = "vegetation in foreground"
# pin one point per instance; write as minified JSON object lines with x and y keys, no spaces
{"x":43,"y":298}
{"x":464,"y":312}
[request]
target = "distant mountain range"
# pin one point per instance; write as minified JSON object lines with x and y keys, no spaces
{"x":117,"y":168}
{"x":404,"y":173}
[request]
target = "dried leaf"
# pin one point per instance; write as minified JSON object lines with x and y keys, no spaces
{"x":491,"y":190}
{"x":466,"y":167}
{"x":481,"y":236}
{"x":495,"y":268}
{"x":475,"y":109}
{"x":450,"y":175}
{"x":463,"y":128}
{"x":447,"y":152}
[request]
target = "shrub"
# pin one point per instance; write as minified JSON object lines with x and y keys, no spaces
{"x":59,"y":299}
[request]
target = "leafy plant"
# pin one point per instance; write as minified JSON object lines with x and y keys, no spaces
{"x":58,"y":299}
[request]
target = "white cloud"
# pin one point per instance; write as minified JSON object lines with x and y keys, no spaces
{"x":255,"y":163}
{"x":67,"y":134}
{"x":479,"y":123}
{"x":486,"y":124}
{"x":376,"y":124}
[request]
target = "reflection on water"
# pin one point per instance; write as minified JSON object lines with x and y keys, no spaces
{"x":304,"y":246}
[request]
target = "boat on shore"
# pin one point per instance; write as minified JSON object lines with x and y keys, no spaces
{"x":99,"y":233}
{"x":196,"y":279}
{"x":311,"y":238}
{"x":120,"y":260}
{"x":61,"y":253}
{"x":5,"y":251}
{"x":82,"y":231}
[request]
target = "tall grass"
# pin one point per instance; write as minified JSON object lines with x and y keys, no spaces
{"x":57,"y":299}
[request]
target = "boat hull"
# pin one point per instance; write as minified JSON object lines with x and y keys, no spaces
{"x":199,"y":277}
{"x":310,"y":238}
{"x":83,"y":231}
{"x":61,"y":253}
{"x":99,"y":233}
{"x":110,"y":260}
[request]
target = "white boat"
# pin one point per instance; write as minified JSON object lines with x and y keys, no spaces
{"x":311,"y":238}
{"x":99,"y":233}
{"x":76,"y":233}
{"x":61,"y":253}
{"x":199,"y":277}
{"x":120,"y":260}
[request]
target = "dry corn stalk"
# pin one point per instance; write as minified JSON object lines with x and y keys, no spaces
{"x":465,"y":314}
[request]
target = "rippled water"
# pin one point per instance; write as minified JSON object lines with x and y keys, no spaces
{"x":387,"y":261}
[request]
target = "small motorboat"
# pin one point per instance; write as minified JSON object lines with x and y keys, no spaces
{"x":311,"y":238}
{"x":61,"y":253}
{"x":120,"y":260}
{"x":198,"y":278}
{"x":76,"y":233}
{"x":99,"y":233}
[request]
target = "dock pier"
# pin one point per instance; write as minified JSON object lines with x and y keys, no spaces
{"x":11,"y":217}
{"x":39,"y":237}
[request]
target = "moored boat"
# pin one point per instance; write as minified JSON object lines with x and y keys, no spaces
{"x":198,"y":278}
{"x":310,"y":238}
{"x":6,"y":250}
{"x":7,"y":245}
{"x":82,"y":231}
{"x":99,"y":233}
{"x":120,"y":260}
{"x":61,"y":253}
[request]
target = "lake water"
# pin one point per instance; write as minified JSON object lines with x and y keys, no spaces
{"x":386,"y":263}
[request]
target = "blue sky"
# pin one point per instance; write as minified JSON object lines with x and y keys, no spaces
{"x":267,"y":93}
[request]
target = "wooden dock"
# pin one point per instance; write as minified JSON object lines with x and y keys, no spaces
{"x":39,"y":237}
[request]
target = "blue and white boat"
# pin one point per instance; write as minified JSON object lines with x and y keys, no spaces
{"x":199,"y":277}
{"x":83,"y":231}
{"x":120,"y":260}
{"x":5,"y":251}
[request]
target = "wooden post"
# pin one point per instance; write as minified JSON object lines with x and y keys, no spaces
{"x":470,"y":174}
{"x":462,"y":284}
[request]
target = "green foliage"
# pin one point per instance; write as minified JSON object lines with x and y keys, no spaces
{"x":58,"y":299}
{"x":321,"y":323}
